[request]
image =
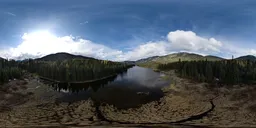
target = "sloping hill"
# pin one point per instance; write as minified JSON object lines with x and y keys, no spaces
{"x":247,"y":57}
{"x":213,"y":58}
{"x":176,"y":56}
{"x":62,"y":56}
{"x":147,"y":59}
{"x":153,"y":62}
{"x":183,"y":56}
{"x":129,"y":62}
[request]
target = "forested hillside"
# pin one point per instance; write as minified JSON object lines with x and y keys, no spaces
{"x":67,"y":67}
{"x":74,"y":69}
{"x":62,"y":67}
{"x":248,"y":57}
{"x":9,"y":70}
{"x":183,"y":56}
{"x":226,"y":71}
{"x":153,"y":62}
{"x":147,"y":59}
{"x":62,"y":56}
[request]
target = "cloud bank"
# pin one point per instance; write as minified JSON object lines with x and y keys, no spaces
{"x":188,"y":40}
{"x":42,"y":43}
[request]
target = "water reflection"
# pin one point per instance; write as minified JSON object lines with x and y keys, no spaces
{"x":136,"y":77}
{"x":139,"y":77}
{"x":129,"y":89}
{"x":77,"y":87}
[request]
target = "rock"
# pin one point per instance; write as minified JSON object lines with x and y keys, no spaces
{"x":8,"y":96}
{"x":65,"y":119}
{"x":93,"y":118}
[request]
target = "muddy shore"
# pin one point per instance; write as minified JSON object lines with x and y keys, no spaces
{"x":30,"y":103}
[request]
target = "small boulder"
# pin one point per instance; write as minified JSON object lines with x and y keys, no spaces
{"x":93,"y":118}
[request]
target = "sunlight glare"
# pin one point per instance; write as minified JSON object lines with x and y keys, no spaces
{"x":39,"y":42}
{"x":43,"y":35}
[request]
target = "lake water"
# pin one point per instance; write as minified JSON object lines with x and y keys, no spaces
{"x":136,"y":81}
{"x":135,"y":77}
{"x":139,"y":77}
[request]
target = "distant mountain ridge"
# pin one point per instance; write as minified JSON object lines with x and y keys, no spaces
{"x":211,"y":57}
{"x":147,"y":59}
{"x":62,"y":56}
{"x":129,"y":62}
{"x":183,"y":56}
{"x":247,"y":57}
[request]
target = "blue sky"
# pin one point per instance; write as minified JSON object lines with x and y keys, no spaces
{"x":127,"y":27}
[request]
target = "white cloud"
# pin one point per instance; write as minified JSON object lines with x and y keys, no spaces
{"x":86,"y":22}
{"x":146,"y":50}
{"x":188,"y":40}
{"x":42,"y":43}
{"x":9,"y":13}
{"x":177,"y":41}
{"x":229,"y":49}
{"x":252,"y":52}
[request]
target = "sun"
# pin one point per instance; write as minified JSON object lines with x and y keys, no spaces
{"x":42,"y":41}
{"x":42,"y":35}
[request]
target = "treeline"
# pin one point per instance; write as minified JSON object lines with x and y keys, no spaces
{"x":75,"y":69}
{"x":225,"y":72}
{"x":9,"y":70}
{"x":76,"y":87}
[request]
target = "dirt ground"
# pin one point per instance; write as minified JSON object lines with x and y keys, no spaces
{"x":30,"y":103}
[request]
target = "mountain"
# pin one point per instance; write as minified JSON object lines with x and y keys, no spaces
{"x":147,"y":59}
{"x":176,"y":56}
{"x":213,"y":58}
{"x":62,"y":56}
{"x":153,"y":62}
{"x":129,"y":62}
{"x":247,"y":57}
{"x":183,"y":56}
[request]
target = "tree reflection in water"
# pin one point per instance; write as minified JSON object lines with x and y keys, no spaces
{"x":77,"y":87}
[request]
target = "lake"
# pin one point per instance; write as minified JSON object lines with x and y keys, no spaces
{"x":138,"y":83}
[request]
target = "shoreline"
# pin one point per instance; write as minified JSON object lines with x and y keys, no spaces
{"x":80,"y":82}
{"x":178,"y":103}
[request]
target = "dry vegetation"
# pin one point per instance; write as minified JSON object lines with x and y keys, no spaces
{"x":34,"y":104}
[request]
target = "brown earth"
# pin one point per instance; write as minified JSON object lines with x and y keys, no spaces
{"x":29,"y":103}
{"x":234,"y":106}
